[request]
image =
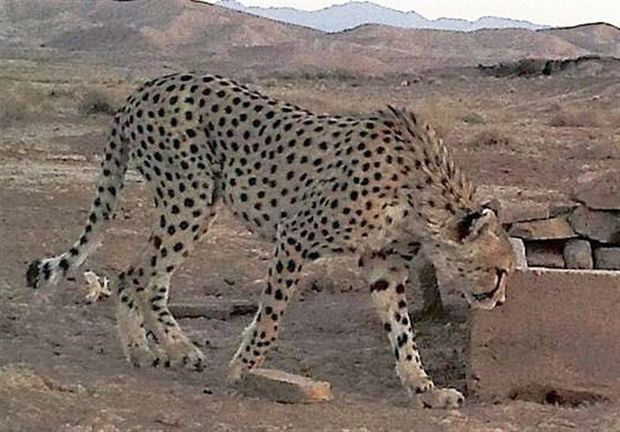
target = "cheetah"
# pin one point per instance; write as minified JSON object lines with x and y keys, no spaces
{"x":380,"y":187}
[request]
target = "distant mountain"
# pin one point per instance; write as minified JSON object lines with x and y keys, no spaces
{"x":187,"y":34}
{"x":353,"y":14}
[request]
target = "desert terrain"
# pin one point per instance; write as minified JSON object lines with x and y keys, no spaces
{"x":65,"y":67}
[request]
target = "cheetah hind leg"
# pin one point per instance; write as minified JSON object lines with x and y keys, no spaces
{"x":139,"y":350}
{"x":170,"y":244}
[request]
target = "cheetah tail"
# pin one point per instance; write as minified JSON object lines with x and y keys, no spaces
{"x":50,"y":270}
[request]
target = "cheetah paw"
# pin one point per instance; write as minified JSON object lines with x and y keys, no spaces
{"x":194,"y":360}
{"x":236,"y":371}
{"x":140,"y":355}
{"x":185,"y":355}
{"x":446,"y":398}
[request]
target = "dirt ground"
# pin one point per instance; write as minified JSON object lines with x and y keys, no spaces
{"x":61,"y":364}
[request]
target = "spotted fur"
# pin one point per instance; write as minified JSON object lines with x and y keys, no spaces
{"x":379,"y":187}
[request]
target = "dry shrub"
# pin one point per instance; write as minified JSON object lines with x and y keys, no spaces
{"x":12,"y":111}
{"x":320,"y":74}
{"x":322,"y":98}
{"x":565,"y":117}
{"x":441,"y":112}
{"x":95,"y":102}
{"x":20,"y":100}
{"x":473,"y":118}
{"x":490,"y":138}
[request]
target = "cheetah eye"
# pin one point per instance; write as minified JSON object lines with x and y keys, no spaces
{"x":465,"y":225}
{"x":473,"y":223}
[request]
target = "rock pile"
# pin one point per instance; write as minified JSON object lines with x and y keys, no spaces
{"x":583,"y":234}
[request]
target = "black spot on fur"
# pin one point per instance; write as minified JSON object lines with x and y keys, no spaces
{"x":380,"y":285}
{"x":32,"y":274}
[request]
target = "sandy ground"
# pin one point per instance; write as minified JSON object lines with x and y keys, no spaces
{"x":61,"y":364}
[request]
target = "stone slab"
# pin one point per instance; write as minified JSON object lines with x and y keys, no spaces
{"x":285,"y":387}
{"x":545,"y":253}
{"x":607,"y":258}
{"x":511,"y":212}
{"x":216,"y":308}
{"x":546,"y":229}
{"x":599,"y":225}
{"x":554,"y":340}
{"x":578,"y":254}
{"x":519,"y":249}
{"x":599,"y":191}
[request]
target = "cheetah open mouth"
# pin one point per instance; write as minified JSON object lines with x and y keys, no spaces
{"x":500,"y":275}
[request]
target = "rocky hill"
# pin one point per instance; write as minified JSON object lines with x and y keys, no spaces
{"x":194,"y":32}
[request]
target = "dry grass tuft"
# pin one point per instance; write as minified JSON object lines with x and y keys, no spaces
{"x":473,"y":118}
{"x":20,"y":101}
{"x":12,"y":110}
{"x":490,"y":138}
{"x":441,"y":112}
{"x":96,"y":102}
{"x":570,"y":117}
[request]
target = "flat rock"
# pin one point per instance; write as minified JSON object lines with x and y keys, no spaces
{"x":519,"y":211}
{"x":546,"y":229}
{"x":285,"y":387}
{"x":517,"y":204}
{"x":578,"y":254}
{"x":599,"y":225}
{"x":600,"y":191}
{"x":607,"y":258}
{"x":554,"y":340}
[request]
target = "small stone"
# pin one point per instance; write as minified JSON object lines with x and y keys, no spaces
{"x":578,"y":254}
{"x":168,"y":419}
{"x":545,"y":254}
{"x":607,"y":258}
{"x":519,"y":248}
{"x":285,"y":387}
{"x":599,"y":225}
{"x":546,"y":229}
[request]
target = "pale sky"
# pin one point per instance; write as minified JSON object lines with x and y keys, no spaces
{"x":552,"y":12}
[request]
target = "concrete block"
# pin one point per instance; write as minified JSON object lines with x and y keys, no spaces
{"x":285,"y":387}
{"x":607,"y":258}
{"x":599,"y":225}
{"x":546,"y":229}
{"x":578,"y":254}
{"x":554,"y":340}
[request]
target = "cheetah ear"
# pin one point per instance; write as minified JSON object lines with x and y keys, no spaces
{"x":475,"y":223}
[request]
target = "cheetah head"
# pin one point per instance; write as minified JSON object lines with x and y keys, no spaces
{"x":479,"y":255}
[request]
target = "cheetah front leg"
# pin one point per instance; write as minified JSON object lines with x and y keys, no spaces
{"x":387,"y":275}
{"x":262,"y":333}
